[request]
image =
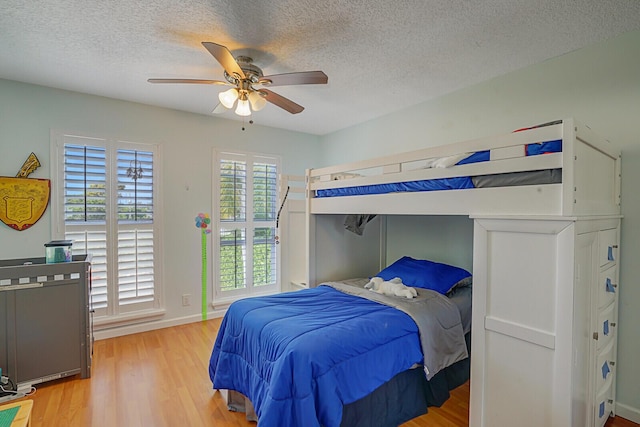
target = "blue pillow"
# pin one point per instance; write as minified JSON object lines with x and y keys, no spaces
{"x":477,"y":157}
{"x":425,"y":274}
{"x":554,"y":146}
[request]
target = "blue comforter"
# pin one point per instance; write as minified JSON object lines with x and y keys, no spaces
{"x":300,"y":356}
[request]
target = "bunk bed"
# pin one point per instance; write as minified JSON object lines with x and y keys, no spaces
{"x":545,"y":207}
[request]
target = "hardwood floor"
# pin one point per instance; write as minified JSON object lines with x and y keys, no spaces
{"x":160,"y":379}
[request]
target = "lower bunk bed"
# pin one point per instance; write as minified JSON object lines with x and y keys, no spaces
{"x":341,"y":355}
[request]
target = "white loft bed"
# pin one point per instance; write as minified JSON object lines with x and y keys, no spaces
{"x":590,"y":178}
{"x":524,"y":316}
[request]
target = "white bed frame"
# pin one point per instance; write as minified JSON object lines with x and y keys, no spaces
{"x":536,"y":360}
{"x":590,"y":178}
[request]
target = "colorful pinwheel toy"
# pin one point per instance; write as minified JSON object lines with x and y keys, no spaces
{"x":202,"y":222}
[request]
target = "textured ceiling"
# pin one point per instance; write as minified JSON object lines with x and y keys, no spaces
{"x":380,"y":56}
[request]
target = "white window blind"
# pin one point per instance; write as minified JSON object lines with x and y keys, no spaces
{"x":85,"y":180}
{"x":233,"y":190}
{"x":264,"y":256}
{"x":135,"y":266}
{"x":247,"y":255}
{"x":94,"y":243}
{"x":135,"y":227}
{"x":265,"y":191}
{"x":107,"y":209}
{"x":233,"y":256}
{"x":135,"y":186}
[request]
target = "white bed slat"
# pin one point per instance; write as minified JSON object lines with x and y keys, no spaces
{"x":547,"y":161}
{"x":500,"y":141}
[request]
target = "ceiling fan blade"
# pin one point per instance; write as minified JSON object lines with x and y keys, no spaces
{"x":301,"y":78}
{"x":192,"y":81}
{"x":281,"y":101}
{"x":225,"y":58}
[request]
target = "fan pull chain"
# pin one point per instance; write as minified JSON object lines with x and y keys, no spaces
{"x":250,"y":122}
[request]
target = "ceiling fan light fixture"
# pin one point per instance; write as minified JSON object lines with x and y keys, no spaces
{"x":243,"y":108}
{"x":228,"y":97}
{"x":241,"y":73}
{"x":257,"y":101}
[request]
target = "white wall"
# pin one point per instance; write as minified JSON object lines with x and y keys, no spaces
{"x":598,"y":85}
{"x":444,"y":239}
{"x":28,"y":112}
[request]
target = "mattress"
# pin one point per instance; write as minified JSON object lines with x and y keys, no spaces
{"x":300,"y":357}
{"x":551,"y":176}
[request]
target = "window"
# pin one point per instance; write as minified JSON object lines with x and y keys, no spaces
{"x":104,"y":198}
{"x":247,"y":205}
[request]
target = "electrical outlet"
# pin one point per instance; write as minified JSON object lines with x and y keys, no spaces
{"x":186,"y":299}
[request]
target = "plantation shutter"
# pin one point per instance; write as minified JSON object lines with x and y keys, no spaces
{"x":85,"y":212}
{"x":85,"y":182}
{"x":265,"y":186}
{"x":93,"y":242}
{"x":233,"y":209}
{"x":135,"y":226}
{"x":233,"y":256}
{"x":135,"y":266}
{"x":107,"y":209}
{"x":264,"y":256}
{"x":247,"y":253}
{"x":233,"y":190}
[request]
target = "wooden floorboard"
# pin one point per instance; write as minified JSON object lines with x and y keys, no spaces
{"x":160,"y":379}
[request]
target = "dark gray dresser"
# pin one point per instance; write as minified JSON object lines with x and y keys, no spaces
{"x":45,"y":320}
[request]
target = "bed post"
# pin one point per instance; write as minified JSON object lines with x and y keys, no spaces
{"x":569,"y":129}
{"x":383,"y":242}
{"x":310,"y":229}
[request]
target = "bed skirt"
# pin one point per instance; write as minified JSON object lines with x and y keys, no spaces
{"x":404,"y":397}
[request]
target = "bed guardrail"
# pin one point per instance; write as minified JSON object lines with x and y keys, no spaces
{"x":585,"y":162}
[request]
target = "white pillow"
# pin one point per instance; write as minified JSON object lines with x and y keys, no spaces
{"x":445,"y":162}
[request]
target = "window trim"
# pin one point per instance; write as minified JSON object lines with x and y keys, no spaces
{"x":115,"y":312}
{"x":218,"y":296}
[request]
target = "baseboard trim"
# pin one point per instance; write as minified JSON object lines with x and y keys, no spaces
{"x":153,"y":325}
{"x":628,"y":412}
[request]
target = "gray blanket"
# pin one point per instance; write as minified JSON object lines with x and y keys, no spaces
{"x":438,"y":320}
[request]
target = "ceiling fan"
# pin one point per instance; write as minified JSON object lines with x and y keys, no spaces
{"x":248,"y":83}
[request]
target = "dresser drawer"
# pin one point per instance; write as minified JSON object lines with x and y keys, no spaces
{"x":607,"y":286}
{"x":605,"y":366}
{"x":603,"y":405}
{"x":608,"y":246}
{"x":606,"y":326}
